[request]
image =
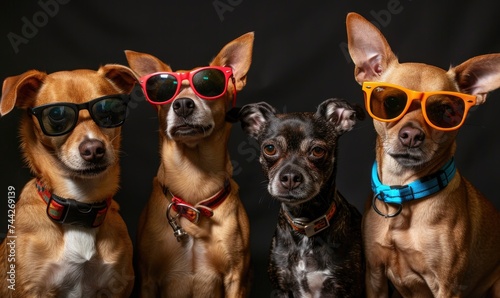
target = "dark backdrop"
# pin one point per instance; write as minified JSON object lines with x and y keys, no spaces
{"x":299,"y":60}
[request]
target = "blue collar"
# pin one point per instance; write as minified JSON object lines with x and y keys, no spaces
{"x":421,"y":188}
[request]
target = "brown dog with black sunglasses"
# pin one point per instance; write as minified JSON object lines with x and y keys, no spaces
{"x":427,"y":229}
{"x":193,"y":236}
{"x":67,"y":238}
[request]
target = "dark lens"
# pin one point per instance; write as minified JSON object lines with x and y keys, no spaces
{"x":209,"y":82}
{"x":445,"y":111}
{"x":109,"y":112}
{"x":161,"y":87}
{"x":387,"y":102}
{"x":57,"y":120}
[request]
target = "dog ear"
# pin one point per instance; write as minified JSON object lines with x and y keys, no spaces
{"x":238,"y":55}
{"x":253,"y":117}
{"x":20,"y":90}
{"x":144,"y":64}
{"x":121,"y":76}
{"x":368,"y":48}
{"x":340,"y":113}
{"x":478,"y":75}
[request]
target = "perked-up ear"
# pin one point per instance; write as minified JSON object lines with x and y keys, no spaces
{"x":253,"y":117}
{"x":121,"y":76}
{"x":368,"y":48}
{"x":144,"y":64}
{"x":20,"y":90}
{"x":478,"y":75}
{"x":238,"y":55}
{"x":340,"y":113}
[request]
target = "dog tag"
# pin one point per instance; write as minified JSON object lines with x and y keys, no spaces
{"x":172,"y":221}
{"x":316,"y":226}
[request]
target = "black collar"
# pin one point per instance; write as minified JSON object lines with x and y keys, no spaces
{"x":69,"y":211}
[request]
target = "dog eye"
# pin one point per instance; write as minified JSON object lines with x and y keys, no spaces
{"x":270,"y":150}
{"x":57,"y":119}
{"x":57,"y":114}
{"x":318,"y":152}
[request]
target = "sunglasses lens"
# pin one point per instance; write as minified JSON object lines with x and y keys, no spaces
{"x":446,"y":111}
{"x":387,"y":102}
{"x":57,"y":120}
{"x":109,"y":112}
{"x":209,"y":82}
{"x":161,"y":88}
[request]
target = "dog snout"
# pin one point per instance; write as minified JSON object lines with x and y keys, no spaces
{"x":92,"y":150}
{"x":411,"y":137}
{"x":291,"y":179}
{"x":183,"y":107}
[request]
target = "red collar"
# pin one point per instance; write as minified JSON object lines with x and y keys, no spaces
{"x":69,"y":211}
{"x":205,"y":207}
{"x":313,"y":227}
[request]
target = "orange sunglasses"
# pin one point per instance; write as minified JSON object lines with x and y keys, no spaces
{"x":442,"y":110}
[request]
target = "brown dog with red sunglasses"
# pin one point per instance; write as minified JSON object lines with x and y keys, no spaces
{"x":445,"y":243}
{"x":193,"y":236}
{"x":66,"y":237}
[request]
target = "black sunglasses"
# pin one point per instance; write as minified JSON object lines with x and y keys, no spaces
{"x":57,"y":119}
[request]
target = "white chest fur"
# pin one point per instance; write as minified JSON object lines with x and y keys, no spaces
{"x":80,"y":272}
{"x":309,"y":273}
{"x":79,"y":244}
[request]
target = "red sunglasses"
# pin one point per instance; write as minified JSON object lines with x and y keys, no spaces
{"x":208,"y":83}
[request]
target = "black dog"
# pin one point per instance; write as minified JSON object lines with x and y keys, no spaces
{"x":316,"y":250}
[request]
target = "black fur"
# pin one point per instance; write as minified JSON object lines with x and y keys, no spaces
{"x":298,"y":155}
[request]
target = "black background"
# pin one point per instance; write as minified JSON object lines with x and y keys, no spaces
{"x":299,"y":60}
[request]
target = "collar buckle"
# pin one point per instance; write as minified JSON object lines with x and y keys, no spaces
{"x":313,"y":227}
{"x":190,"y":212}
{"x":187,"y":211}
{"x":73,"y":212}
{"x":316,"y":226}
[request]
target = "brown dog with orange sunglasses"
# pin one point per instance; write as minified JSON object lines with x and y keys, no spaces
{"x":427,"y":229}
{"x":193,"y":236}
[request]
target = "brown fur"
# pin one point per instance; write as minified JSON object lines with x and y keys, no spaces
{"x":40,"y":242}
{"x":213,"y":260}
{"x":445,"y":245}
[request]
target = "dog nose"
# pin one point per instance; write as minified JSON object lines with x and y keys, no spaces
{"x":291,"y":179}
{"x":92,"y":150}
{"x":183,"y":107}
{"x":411,"y":137}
